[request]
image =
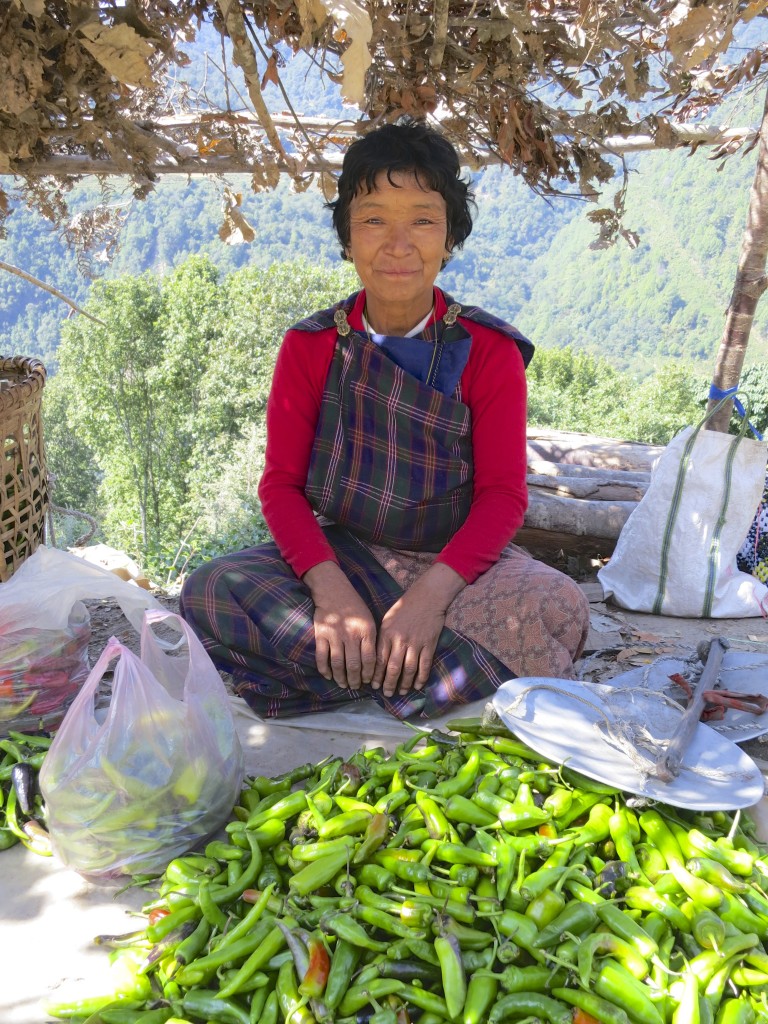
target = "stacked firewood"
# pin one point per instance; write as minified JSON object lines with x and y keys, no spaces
{"x":582,"y":489}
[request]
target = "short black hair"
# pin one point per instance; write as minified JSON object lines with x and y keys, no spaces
{"x":410,"y":147}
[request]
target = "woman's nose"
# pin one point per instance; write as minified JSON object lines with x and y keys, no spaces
{"x":399,"y":238}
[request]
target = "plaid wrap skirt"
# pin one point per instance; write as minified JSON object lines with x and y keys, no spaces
{"x":255,"y":619}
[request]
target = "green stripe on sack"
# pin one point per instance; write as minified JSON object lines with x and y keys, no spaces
{"x":677,"y":495}
{"x":674,"y":508}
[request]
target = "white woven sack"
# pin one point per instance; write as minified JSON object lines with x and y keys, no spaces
{"x":676,"y":554}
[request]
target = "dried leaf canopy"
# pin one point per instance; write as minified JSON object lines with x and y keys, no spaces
{"x":546,"y":87}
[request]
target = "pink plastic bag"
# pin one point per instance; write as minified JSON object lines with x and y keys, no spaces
{"x":131,"y":786}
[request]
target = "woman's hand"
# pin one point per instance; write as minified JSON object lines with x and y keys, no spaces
{"x":345,"y":633}
{"x":411,"y":628}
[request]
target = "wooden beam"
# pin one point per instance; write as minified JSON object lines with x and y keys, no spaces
{"x":190,"y":162}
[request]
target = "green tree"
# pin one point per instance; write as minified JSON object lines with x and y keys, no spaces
{"x":169,"y":396}
{"x":117,"y":406}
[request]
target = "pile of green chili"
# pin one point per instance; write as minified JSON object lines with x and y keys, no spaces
{"x":21,"y":806}
{"x":457,"y":879}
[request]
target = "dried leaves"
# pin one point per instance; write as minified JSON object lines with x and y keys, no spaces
{"x":537,"y":85}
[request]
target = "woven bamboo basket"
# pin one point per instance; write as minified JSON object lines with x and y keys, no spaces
{"x":23,"y":475}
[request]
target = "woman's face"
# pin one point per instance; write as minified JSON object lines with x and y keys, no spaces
{"x":398,"y":239}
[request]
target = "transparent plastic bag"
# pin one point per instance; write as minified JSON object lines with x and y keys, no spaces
{"x":45,"y":630}
{"x":129,"y":787}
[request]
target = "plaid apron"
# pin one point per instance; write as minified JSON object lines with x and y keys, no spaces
{"x":392,"y":458}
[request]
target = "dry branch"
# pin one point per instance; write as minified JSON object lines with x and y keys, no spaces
{"x":48,"y":288}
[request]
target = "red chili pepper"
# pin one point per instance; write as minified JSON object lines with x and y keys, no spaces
{"x":157,"y":913}
{"x":313,"y":983}
{"x":582,"y":1017}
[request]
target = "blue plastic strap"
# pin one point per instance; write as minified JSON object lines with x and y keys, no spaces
{"x":717,"y":393}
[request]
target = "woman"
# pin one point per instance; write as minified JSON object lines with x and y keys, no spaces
{"x":395,"y":478}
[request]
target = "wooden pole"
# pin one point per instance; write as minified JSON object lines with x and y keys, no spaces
{"x":750,"y":284}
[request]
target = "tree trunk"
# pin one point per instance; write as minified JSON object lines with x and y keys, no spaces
{"x":573,"y":448}
{"x":749,"y":285}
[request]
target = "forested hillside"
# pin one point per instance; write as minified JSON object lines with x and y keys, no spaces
{"x":528,"y":260}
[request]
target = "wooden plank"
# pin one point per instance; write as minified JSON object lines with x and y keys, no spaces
{"x":586,"y":488}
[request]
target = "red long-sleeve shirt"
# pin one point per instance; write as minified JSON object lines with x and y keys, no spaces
{"x":492,"y":386}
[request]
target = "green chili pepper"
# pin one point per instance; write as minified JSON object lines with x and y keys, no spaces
{"x":736,"y":1011}
{"x":407,"y":870}
{"x":486,"y":897}
{"x":738,"y":862}
{"x":530,"y":1004}
{"x":575,"y":919}
{"x":481,"y":994}
{"x":619,"y":986}
{"x":535,"y":978}
{"x":544,"y":908}
{"x":258,"y":1002}
{"x":319,"y":872}
{"x":360,"y":995}
{"x":716,"y":872}
{"x":522,"y":930}
{"x":211,"y":1006}
{"x":687,"y":1010}
{"x":592,"y":1004}
{"x":704,"y":965}
{"x":459,"y":808}
{"x":513,"y":818}
{"x":736,"y":913}
{"x":607,"y":942}
{"x":200,"y":970}
{"x":247,"y":877}
{"x":289,"y":806}
{"x":424,"y":1000}
{"x":455,"y":853}
{"x":271,"y":944}
{"x":463,"y":780}
{"x":375,"y":876}
{"x":708,"y":929}
{"x":290,"y":1002}
{"x":375,"y":834}
{"x":452,"y":972}
{"x":217,"y":918}
{"x":384,"y":922}
{"x":641,"y":898}
{"x":246,"y":923}
{"x":468,"y":938}
{"x":350,"y":823}
{"x":408,"y":970}
{"x":586,"y":785}
{"x":308,"y":853}
{"x":756,"y":901}
{"x":445,"y":891}
{"x":351,"y":931}
{"x":596,"y":828}
{"x":627,"y":928}
{"x":464,"y":875}
{"x":343,"y":963}
{"x":193,"y":945}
